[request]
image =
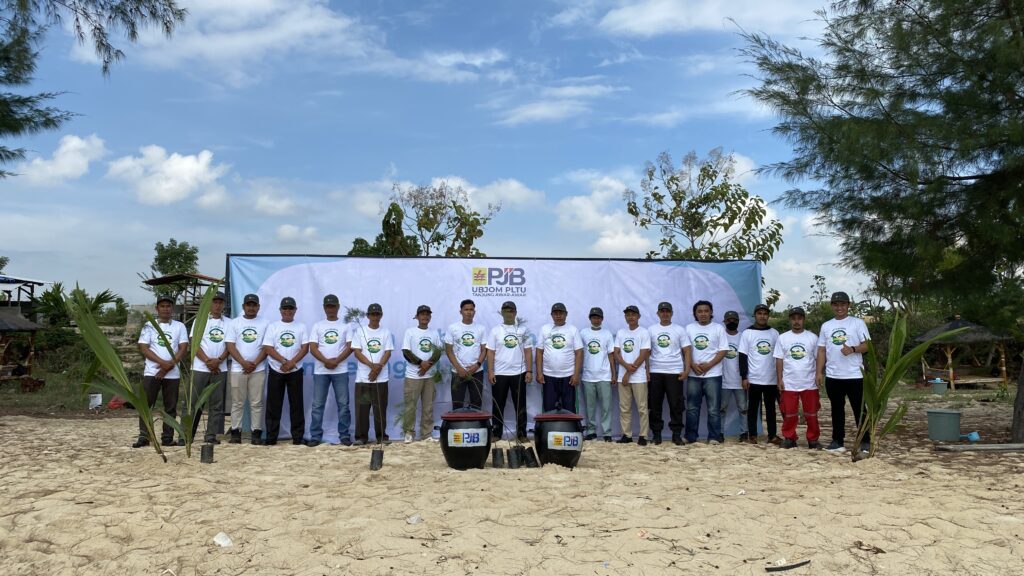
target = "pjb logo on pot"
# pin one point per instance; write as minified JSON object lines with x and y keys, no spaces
{"x":565,"y":441}
{"x":467,"y":437}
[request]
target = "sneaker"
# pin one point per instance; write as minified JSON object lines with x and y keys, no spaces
{"x":812,"y":445}
{"x":346,"y":441}
{"x":775,"y":440}
{"x":625,"y":440}
{"x":590,"y":436}
{"x":408,"y":438}
{"x":657,"y":439}
{"x":744,"y":436}
{"x":836,"y":447}
{"x":677,"y":439}
{"x":432,"y":439}
{"x":168,"y":442}
{"x":298,"y":441}
{"x":643,"y":441}
{"x":788,"y":443}
{"x":211,"y":441}
{"x":312,"y":443}
{"x":714,"y":442}
{"x":607,"y":438}
{"x":359,"y":443}
{"x":141,"y":442}
{"x":181,"y":442}
{"x":865,"y":447}
{"x":256,"y":438}
{"x":752,"y":439}
{"x":236,"y":436}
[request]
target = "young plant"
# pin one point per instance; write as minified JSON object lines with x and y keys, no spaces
{"x":879,"y":383}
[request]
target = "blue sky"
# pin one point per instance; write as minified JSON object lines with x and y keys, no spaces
{"x":279,"y":126}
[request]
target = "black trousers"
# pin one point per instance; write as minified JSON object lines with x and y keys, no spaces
{"x":169,"y":388}
{"x":838,"y":390}
{"x":474,"y":385}
{"x":503,"y":385}
{"x":769,"y":396}
{"x":277,"y":385}
{"x":559,"y":393}
{"x":662,"y":385}
{"x":374,"y":396}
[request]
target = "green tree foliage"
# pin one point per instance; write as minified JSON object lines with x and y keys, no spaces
{"x":701,"y":213}
{"x":171,"y":258}
{"x":22,"y":26}
{"x":441,"y":219}
{"x":392,"y":241}
{"x":51,"y":303}
{"x":4,"y":261}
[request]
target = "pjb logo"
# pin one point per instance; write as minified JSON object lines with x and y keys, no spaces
{"x":467,"y":438}
{"x":565,"y":440}
{"x":499,"y":276}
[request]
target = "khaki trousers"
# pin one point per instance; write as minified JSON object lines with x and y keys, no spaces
{"x":418,"y":390}
{"x":627,"y":394}
{"x":247,"y":388}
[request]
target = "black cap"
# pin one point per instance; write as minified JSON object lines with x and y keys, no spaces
{"x":219,"y":296}
{"x":558,"y":307}
{"x":732,"y":314}
{"x":331,"y":300}
{"x":164,"y":298}
{"x":796,"y":310}
{"x":508,"y":305}
{"x":840,"y":297}
{"x":631,"y":308}
{"x":423,"y":308}
{"x":596,"y":311}
{"x":664,"y":306}
{"x":251,"y":298}
{"x":761,"y":307}
{"x":288,"y":302}
{"x":374,"y":309}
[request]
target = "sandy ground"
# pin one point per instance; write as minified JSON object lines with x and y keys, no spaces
{"x":75,"y":499}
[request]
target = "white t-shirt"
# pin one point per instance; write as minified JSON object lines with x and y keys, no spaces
{"x":422,"y":344}
{"x":177,"y":334}
{"x":247,"y":336}
{"x":466,"y":340}
{"x":759,"y":345}
{"x":834,"y":333}
{"x":667,"y":343}
{"x":705,"y":342}
{"x":330,"y":337}
{"x":798,"y":353}
{"x":213,"y":343}
{"x":630,"y":343}
{"x":731,"y":364}
{"x":597,"y":345}
{"x":560,"y":344}
{"x":287,"y":338}
{"x":374,"y":343}
{"x":509,"y":343}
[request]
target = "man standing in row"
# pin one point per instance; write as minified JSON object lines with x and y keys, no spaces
{"x":209,"y":368}
{"x":632,"y":348}
{"x":559,"y":361}
{"x":732,"y":385}
{"x":285,"y":344}
{"x":795,"y":369}
{"x":509,"y":368}
{"x":161,"y":374}
{"x":757,"y":369}
{"x":841,"y":347}
{"x":464,"y":346}
{"x":709,"y":344}
{"x":372,"y":345}
{"x":599,"y":369}
{"x":668,"y":375}
{"x":330,"y":344}
{"x":421,"y":348}
{"x":249,"y":369}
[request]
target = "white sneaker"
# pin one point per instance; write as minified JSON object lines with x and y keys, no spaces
{"x":432,"y":439}
{"x":714,"y":442}
{"x":408,"y":438}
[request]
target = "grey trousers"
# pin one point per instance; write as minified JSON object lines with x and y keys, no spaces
{"x":214,"y":407}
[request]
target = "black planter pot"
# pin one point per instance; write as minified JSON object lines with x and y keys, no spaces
{"x":465,"y":438}
{"x":558,"y":436}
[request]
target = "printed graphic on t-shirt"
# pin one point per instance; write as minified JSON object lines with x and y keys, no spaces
{"x":373,"y":345}
{"x":732,"y":353}
{"x":764,"y":347}
{"x":249,"y":335}
{"x":701,"y":341}
{"x":468,"y":339}
{"x":797,"y":352}
{"x":511,"y":340}
{"x":627,"y":345}
{"x":558,"y":341}
{"x":161,"y":340}
{"x":664,"y":340}
{"x":594,"y":346}
{"x":287,"y":339}
{"x":331,"y":337}
{"x":216,"y":335}
{"x":839,"y":337}
{"x":426,"y":345}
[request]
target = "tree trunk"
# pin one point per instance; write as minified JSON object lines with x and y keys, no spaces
{"x":1017,"y":435}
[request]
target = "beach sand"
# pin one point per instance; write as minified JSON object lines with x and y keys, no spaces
{"x":76,"y":499}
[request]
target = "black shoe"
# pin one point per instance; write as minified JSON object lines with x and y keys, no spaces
{"x":625,"y":440}
{"x":607,"y":438}
{"x":141,"y":442}
{"x":865,"y":447}
{"x":298,"y":441}
{"x":787,"y":443}
{"x":346,"y":442}
{"x":643,"y":441}
{"x":256,"y":438}
{"x":523,"y":439}
{"x":814,"y":445}
{"x":212,"y":441}
{"x":657,"y":440}
{"x":359,"y":443}
{"x":168,"y":442}
{"x":269,"y":443}
{"x":744,"y":436}
{"x":312,"y":443}
{"x":775,"y":440}
{"x":677,"y":440}
{"x":590,"y":436}
{"x":236,"y":436}
{"x":181,"y":441}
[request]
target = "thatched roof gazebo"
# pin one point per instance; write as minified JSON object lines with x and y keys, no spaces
{"x":974,"y":334}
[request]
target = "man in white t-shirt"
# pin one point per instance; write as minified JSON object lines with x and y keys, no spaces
{"x":795,"y":354}
{"x":161,"y":374}
{"x":285,"y":344}
{"x":330,"y":344}
{"x":632,"y":349}
{"x":464,"y":346}
{"x":757,"y":372}
{"x":733,"y":393}
{"x":599,"y":369}
{"x":210,"y":368}
{"x":372,"y":345}
{"x":559,"y":361}
{"x":708,"y":346}
{"x":842,"y":343}
{"x":249,"y":369}
{"x":421,"y":348}
{"x":510,"y":369}
{"x":668,"y":375}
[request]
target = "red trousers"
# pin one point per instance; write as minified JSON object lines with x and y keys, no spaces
{"x":790,"y":413}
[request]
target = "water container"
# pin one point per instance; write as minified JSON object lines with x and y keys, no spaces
{"x":558,"y":435}
{"x":943,"y":425}
{"x":465,"y":438}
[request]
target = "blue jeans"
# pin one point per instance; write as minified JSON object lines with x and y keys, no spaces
{"x":321,"y":384}
{"x":709,"y":389}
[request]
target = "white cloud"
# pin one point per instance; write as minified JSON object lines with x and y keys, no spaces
{"x":602,"y":211}
{"x":631,"y":55}
{"x":510,"y":193}
{"x":271,"y":200}
{"x":543,"y":111}
{"x":734,"y":106}
{"x":295,"y":235}
{"x":70,"y":161}
{"x":582,"y":91}
{"x":649,"y":18}
{"x":161,"y":178}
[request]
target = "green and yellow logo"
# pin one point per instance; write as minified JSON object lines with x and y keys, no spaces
{"x":511,"y":340}
{"x":287,"y":339}
{"x":161,"y":340}
{"x":331,"y":337}
{"x":373,"y":345}
{"x":664,"y":340}
{"x":249,"y":335}
{"x":764,"y":347}
{"x":797,"y":352}
{"x":839,"y":337}
{"x":468,"y":339}
{"x":594,"y":346}
{"x":216,"y":335}
{"x":479,"y":276}
{"x":701,"y":342}
{"x":426,"y":345}
{"x":627,"y":345}
{"x":557,"y":341}
{"x":732,"y":353}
